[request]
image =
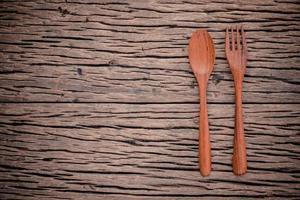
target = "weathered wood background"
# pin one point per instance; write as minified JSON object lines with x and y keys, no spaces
{"x":98,"y":100}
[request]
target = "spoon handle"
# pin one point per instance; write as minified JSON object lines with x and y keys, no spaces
{"x":239,"y":158}
{"x":204,"y":138}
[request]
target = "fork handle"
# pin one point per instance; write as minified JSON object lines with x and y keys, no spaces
{"x":204,"y":138}
{"x":239,"y":159}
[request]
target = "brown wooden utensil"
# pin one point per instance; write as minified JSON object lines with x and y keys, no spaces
{"x":202,"y":58}
{"x":236,"y":53}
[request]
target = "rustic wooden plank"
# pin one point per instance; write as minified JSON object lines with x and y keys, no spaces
{"x":73,"y":51}
{"x":139,"y":150}
{"x":133,"y":51}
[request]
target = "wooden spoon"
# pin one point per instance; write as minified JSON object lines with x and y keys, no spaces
{"x":202,"y":58}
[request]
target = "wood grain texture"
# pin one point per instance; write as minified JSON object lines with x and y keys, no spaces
{"x":98,"y":100}
{"x":62,"y":52}
{"x":64,"y":150}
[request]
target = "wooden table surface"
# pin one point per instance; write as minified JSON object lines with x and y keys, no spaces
{"x":98,"y":100}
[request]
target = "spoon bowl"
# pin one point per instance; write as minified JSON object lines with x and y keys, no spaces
{"x":201,"y":53}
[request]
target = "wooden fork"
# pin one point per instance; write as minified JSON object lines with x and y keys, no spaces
{"x":236,"y":53}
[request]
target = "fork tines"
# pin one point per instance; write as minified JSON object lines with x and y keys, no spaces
{"x":235,"y":43}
